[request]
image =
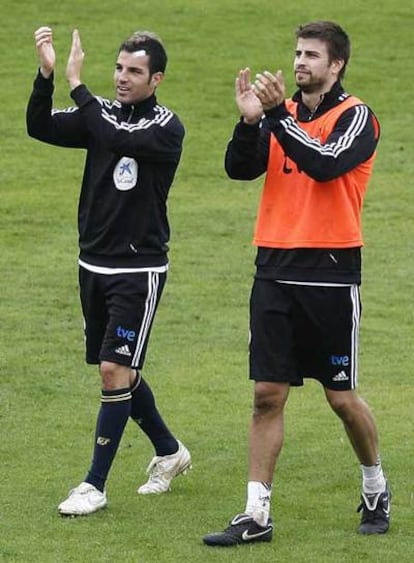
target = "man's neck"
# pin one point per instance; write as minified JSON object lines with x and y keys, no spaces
{"x":313,"y":99}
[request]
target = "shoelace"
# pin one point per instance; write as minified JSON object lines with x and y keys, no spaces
{"x":368,"y":514}
{"x":78,"y":492}
{"x":156,"y":468}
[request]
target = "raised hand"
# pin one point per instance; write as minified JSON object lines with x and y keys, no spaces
{"x":270,"y":89}
{"x":75,"y":61}
{"x":45,"y":50}
{"x":248,"y":103}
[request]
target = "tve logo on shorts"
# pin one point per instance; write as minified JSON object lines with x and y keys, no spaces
{"x":340,"y":361}
{"x":125,"y":333}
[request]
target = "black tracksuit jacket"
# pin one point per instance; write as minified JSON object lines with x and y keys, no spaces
{"x":120,"y":224}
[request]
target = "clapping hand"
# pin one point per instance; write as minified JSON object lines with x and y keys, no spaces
{"x":247,"y":101}
{"x":270,"y":89}
{"x":45,"y":50}
{"x":75,"y":61}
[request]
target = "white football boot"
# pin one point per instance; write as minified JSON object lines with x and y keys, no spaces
{"x":83,"y":500}
{"x":163,"y":469}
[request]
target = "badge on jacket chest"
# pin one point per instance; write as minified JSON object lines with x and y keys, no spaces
{"x":126,"y":174}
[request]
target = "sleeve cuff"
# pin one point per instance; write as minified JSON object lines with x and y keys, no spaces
{"x":278,"y":112}
{"x":81,"y":95}
{"x":247,"y":130}
{"x":44,"y":85}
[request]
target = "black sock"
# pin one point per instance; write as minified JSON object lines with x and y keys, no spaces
{"x":112,"y":418}
{"x":146,"y":415}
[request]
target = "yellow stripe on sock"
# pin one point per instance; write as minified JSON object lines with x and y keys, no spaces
{"x":116,"y":398}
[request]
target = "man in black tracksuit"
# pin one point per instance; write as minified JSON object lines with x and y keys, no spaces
{"x":133,"y":149}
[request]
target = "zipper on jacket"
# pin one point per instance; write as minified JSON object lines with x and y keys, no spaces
{"x":131,"y":113}
{"x":315,"y":109}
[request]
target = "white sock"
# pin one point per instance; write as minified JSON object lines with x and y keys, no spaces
{"x":258,"y":501}
{"x":373,"y":480}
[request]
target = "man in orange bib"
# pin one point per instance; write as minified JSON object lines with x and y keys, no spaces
{"x":317,"y":150}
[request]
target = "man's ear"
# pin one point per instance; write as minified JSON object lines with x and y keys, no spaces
{"x":157,"y":78}
{"x":337,"y":66}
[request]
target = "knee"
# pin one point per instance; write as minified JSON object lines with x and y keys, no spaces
{"x":344,"y":403}
{"x":269,"y":397}
{"x":114,"y":376}
{"x":107,"y":371}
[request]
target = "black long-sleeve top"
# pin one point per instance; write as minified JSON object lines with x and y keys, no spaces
{"x":132,"y":156}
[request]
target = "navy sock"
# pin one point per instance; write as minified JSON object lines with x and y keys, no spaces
{"x":144,"y":412}
{"x":112,"y":418}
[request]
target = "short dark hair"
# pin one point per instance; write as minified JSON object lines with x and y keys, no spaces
{"x":152,"y":44}
{"x":337,"y":41}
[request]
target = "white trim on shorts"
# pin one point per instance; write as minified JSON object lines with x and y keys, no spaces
{"x":316,"y":284}
{"x":109,"y":271}
{"x":150,"y":306}
{"x":356,"y":314}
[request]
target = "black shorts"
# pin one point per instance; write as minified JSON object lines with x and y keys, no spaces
{"x":118,"y":311}
{"x":301,"y":331}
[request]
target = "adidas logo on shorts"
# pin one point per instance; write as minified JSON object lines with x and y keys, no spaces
{"x":124,"y":350}
{"x":341,"y":376}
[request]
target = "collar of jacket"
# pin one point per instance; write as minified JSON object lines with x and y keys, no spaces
{"x":329,"y":100}
{"x":139,"y":109}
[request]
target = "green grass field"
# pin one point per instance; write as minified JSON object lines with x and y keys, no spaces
{"x":197,"y":361}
